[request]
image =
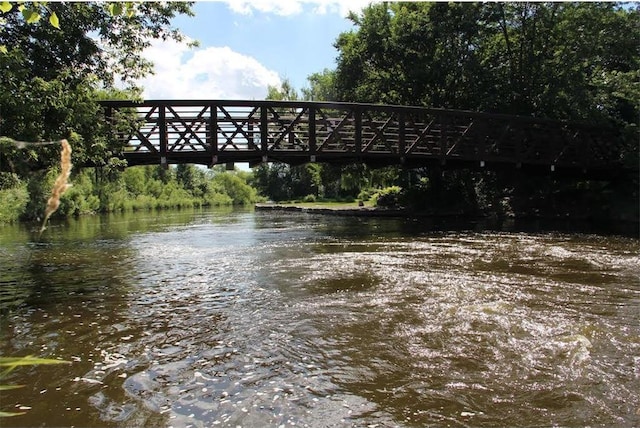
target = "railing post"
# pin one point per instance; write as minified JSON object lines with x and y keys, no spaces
{"x":264,"y":131}
{"x":401,"y":135}
{"x":482,"y":152}
{"x":164,"y":143}
{"x":213,"y":128}
{"x":110,"y":120}
{"x":357,"y":113}
{"x":444,"y":126}
{"x":312,"y":132}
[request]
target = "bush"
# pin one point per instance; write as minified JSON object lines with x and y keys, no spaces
{"x":13,"y":202}
{"x":215,"y":199}
{"x":309,"y":198}
{"x":235,"y":187}
{"x":80,"y":198}
{"x":366,"y":194}
{"x":9,"y":180}
{"x":389,"y":197}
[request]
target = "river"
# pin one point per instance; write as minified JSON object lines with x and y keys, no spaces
{"x":252,"y":319}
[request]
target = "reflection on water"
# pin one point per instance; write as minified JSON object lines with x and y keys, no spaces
{"x":220,"y":318}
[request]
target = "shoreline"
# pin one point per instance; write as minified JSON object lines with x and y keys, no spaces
{"x":566,"y":224}
{"x":337,"y":210}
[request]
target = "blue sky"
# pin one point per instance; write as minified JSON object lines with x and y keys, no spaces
{"x":246,"y":46}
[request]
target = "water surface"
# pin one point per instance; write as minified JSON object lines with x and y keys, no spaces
{"x":226,"y":318}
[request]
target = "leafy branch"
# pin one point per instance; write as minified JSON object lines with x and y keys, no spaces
{"x":35,"y":11}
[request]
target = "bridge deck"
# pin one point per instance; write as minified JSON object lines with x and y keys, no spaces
{"x":212,"y":131}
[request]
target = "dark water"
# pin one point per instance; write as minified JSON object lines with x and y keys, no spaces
{"x":264,"y":319}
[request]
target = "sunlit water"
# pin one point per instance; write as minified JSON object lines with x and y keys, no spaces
{"x":282,"y":319}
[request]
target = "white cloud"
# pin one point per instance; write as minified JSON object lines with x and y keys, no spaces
{"x":204,"y":73}
{"x":294,"y":7}
{"x":279,"y":7}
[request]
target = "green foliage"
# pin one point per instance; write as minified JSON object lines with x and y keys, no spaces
{"x":80,"y":198}
{"x":273,"y":181}
{"x":152,"y":187}
{"x":12,"y":362}
{"x":285,"y":92}
{"x":574,"y":61}
{"x":13,"y":202}
{"x":52,"y":77}
{"x":96,"y":38}
{"x":389,"y":197}
{"x":367,"y":194}
{"x":352,"y":179}
{"x":560,"y":60}
{"x":136,"y":188}
{"x":9,"y":180}
{"x":235,"y":187}
{"x":280,"y":182}
{"x":322,"y":87}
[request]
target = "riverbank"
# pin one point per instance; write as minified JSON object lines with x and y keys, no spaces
{"x":530,"y":223}
{"x":341,"y":209}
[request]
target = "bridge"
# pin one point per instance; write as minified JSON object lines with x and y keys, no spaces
{"x":211,"y":132}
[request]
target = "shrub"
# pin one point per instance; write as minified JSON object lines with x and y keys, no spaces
{"x":216,"y":199}
{"x":235,"y":187}
{"x":366,"y":194}
{"x":309,"y":198}
{"x":13,"y":202}
{"x":388,"y":197}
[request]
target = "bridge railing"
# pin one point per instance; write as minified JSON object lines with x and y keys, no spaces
{"x":215,"y":131}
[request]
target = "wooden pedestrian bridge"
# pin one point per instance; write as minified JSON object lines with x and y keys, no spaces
{"x":211,"y":132}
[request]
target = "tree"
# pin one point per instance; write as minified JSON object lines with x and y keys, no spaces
{"x":322,"y":87}
{"x":53,"y":75}
{"x":285,"y":92}
{"x":559,"y":60}
{"x":575,"y":61}
{"x":93,"y":38}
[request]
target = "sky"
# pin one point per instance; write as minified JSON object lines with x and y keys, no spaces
{"x":246,"y":46}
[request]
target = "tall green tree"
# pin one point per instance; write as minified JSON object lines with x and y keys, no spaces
{"x":52,"y":75}
{"x":560,"y":60}
{"x":576,"y":61}
{"x":55,"y":70}
{"x":285,"y":92}
{"x":322,"y":86}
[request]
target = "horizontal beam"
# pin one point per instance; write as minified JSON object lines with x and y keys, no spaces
{"x":328,"y":105}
